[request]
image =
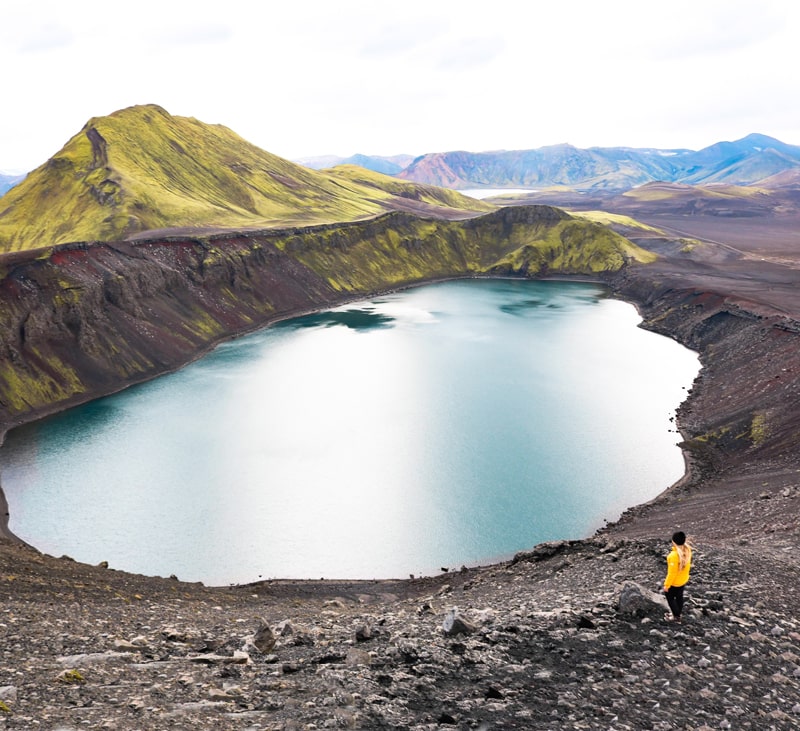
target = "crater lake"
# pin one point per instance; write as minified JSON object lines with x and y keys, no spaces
{"x":445,"y":425}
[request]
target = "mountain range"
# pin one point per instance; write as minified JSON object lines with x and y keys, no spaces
{"x":742,"y":162}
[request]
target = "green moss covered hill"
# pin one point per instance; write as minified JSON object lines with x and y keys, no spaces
{"x":142,"y":169}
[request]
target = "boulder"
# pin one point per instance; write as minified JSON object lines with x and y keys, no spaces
{"x":636,"y":600}
{"x":264,"y":640}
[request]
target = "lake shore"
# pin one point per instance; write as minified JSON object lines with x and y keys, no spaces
{"x":4,"y":515}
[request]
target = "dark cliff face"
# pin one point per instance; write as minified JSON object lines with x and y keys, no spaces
{"x":83,"y":320}
{"x":742,"y":409}
{"x":90,"y":319}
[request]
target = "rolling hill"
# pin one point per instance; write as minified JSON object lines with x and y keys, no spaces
{"x":142,"y":169}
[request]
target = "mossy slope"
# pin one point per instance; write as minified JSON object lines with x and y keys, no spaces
{"x":141,"y":169}
{"x":81,"y":320}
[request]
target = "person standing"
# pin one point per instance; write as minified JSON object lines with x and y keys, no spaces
{"x":679,"y":563}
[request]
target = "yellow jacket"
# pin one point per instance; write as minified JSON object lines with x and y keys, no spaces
{"x":675,"y":575}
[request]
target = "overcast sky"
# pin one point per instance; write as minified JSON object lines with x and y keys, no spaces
{"x":309,"y":77}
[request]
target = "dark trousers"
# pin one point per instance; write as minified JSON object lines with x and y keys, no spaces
{"x":675,"y":599}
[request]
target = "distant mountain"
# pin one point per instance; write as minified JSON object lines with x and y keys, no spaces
{"x":320,"y":162}
{"x":141,"y":169}
{"x":8,"y":181}
{"x":386,"y":165}
{"x":742,"y":162}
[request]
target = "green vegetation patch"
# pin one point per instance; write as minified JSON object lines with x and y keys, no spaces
{"x":41,"y":382}
{"x":616,"y":219}
{"x":406,"y":249}
{"x":759,"y":428}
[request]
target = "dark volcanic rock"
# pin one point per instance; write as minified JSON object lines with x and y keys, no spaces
{"x":551,"y":649}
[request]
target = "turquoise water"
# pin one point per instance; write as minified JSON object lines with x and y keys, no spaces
{"x":450,"y":424}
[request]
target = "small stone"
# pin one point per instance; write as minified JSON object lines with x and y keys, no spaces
{"x":173,"y":634}
{"x":137,"y":704}
{"x":124,"y":646}
{"x":357,"y":657}
{"x":238,"y":658}
{"x":455,"y":624}
{"x":71,"y":677}
{"x":8,"y":695}
{"x":779,"y":715}
{"x":217,"y":694}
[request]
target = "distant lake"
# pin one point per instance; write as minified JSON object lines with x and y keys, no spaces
{"x":481,"y":193}
{"x":448,"y":424}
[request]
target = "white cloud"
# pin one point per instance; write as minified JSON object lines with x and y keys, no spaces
{"x":193,"y":34}
{"x":44,"y":37}
{"x":468,"y":53}
{"x":396,"y":39}
{"x":308,"y":77}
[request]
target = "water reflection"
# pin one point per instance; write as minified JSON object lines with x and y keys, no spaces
{"x":361,"y":318}
{"x":445,"y":425}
